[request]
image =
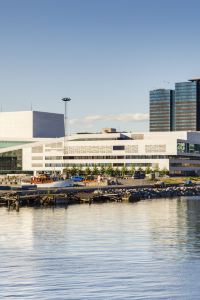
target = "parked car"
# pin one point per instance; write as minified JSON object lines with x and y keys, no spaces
{"x":138,"y":175}
{"x":77,"y":178}
{"x":188,"y":183}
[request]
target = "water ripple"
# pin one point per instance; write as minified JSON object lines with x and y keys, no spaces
{"x":148,"y":250}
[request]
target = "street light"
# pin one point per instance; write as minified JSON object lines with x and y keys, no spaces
{"x":65,"y":100}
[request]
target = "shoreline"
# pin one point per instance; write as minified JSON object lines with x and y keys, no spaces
{"x":89,"y":195}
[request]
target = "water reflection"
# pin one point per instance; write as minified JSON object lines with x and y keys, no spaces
{"x":16,"y":230}
{"x":193,"y":225}
{"x":146,"y":250}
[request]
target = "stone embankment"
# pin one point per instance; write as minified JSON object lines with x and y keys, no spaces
{"x":42,"y":198}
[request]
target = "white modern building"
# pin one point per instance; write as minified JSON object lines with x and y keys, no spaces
{"x":178,"y":152}
{"x":31,"y":124}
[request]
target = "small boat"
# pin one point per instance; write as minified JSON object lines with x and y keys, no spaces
{"x":45,"y":181}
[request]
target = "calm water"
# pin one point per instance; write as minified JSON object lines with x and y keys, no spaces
{"x":146,"y":250}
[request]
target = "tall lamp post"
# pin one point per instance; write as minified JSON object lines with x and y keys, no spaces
{"x":65,"y":100}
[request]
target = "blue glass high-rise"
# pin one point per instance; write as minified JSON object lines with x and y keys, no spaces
{"x":162,"y":110}
{"x":187,"y":105}
{"x":177,"y":110}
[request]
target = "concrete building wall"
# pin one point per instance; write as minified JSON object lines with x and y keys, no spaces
{"x":16,"y":124}
{"x":27,"y":158}
{"x":31,"y":124}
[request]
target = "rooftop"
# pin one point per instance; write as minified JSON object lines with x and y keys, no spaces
{"x":194,"y":79}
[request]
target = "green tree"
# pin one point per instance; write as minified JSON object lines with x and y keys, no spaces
{"x":67,"y":172}
{"x":87,"y":171}
{"x":80,"y":170}
{"x":164,"y":171}
{"x":95,"y":170}
{"x":117,"y":172}
{"x":148,"y":170}
{"x":102,"y":170}
{"x":132,"y":169}
{"x":74,"y":170}
{"x":109,"y":170}
{"x":140,"y":169}
{"x":124,"y":171}
{"x":156,"y":169}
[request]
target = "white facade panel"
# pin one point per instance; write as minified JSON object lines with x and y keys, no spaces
{"x":27,"y":158}
{"x":16,"y":124}
{"x":31,"y":124}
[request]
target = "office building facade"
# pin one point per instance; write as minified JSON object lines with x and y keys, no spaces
{"x":177,"y":110}
{"x":187,"y":105}
{"x":161,"y":110}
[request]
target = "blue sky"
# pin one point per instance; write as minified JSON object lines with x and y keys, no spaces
{"x":104,"y":54}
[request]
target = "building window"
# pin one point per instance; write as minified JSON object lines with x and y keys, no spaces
{"x":181,"y":147}
{"x":53,"y":157}
{"x":37,"y":165}
{"x":119,"y":148}
{"x":118,"y":165}
{"x":139,"y":165}
{"x":56,"y":165}
{"x":38,"y":149}
{"x":37,"y":157}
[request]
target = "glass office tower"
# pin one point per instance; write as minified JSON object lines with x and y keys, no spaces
{"x":162,"y":110}
{"x":187,"y":105}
